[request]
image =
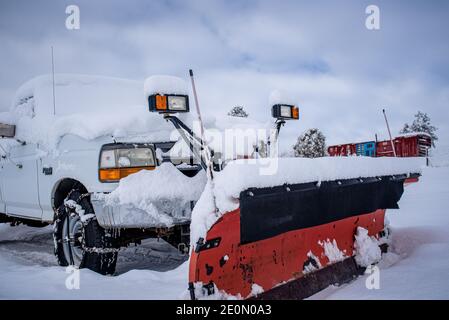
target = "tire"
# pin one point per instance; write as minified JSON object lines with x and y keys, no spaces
{"x":88,"y":234}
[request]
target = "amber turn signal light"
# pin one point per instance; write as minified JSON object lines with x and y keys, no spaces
{"x":115,"y":174}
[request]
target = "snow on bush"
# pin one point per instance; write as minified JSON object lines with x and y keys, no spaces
{"x":238,"y":111}
{"x":421,"y":124}
{"x":367,"y":251}
{"x":163,"y":84}
{"x":310,"y":144}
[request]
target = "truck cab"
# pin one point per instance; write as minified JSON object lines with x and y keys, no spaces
{"x":65,"y":145}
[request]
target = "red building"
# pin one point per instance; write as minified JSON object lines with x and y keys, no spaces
{"x":411,"y":145}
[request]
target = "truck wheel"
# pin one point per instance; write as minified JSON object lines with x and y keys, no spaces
{"x":84,"y":244}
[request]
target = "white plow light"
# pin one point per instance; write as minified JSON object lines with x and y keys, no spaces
{"x":285,"y":112}
{"x":177,"y":103}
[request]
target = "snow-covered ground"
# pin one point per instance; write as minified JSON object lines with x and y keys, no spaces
{"x":417,"y":268}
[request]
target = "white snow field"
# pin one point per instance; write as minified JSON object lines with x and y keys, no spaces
{"x":417,"y":267}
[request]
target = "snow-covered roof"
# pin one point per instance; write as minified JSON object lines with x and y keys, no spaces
{"x":86,"y":106}
{"x":411,"y":134}
{"x":79,"y":94}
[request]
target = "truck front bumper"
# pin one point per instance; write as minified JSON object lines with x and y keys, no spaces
{"x":156,"y":215}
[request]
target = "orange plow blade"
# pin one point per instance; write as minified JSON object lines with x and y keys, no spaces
{"x":291,"y":241}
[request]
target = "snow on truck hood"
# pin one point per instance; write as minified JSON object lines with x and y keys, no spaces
{"x":145,"y":190}
{"x":165,"y":182}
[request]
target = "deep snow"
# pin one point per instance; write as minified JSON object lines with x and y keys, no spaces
{"x":417,"y":268}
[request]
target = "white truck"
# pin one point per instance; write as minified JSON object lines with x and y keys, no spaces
{"x":66,"y":143}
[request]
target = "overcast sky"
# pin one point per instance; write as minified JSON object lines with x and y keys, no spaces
{"x":318,"y":52}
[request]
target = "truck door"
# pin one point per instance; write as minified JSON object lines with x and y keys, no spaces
{"x":19,"y":185}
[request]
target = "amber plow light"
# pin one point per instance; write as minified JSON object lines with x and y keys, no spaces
{"x":170,"y":103}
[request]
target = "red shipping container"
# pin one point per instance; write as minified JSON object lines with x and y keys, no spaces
{"x":405,"y":146}
{"x":413,"y":145}
{"x":342,"y":150}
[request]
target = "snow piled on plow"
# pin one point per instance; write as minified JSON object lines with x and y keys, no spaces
{"x":241,"y":175}
{"x":367,"y":251}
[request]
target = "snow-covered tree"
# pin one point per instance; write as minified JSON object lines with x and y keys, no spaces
{"x":310,"y":144}
{"x":421,"y":123}
{"x":238,"y":111}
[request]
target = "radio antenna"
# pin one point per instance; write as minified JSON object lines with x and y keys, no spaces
{"x":53,"y":79}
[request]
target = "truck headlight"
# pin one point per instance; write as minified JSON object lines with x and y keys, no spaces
{"x":170,"y":103}
{"x":285,"y":112}
{"x":120,"y":160}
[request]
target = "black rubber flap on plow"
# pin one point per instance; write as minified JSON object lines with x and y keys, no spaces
{"x":304,"y":287}
{"x":335,"y":274}
{"x":267,"y":212}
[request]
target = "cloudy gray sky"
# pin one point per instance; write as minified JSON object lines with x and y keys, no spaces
{"x":318,"y":52}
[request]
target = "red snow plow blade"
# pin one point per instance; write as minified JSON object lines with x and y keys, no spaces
{"x":275,"y":239}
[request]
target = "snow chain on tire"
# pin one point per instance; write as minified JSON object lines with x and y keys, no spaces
{"x":99,"y":253}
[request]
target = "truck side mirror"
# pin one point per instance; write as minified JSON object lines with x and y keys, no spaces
{"x":7,"y":130}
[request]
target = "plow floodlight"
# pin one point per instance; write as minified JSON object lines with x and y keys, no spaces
{"x":285,"y":112}
{"x":169,"y":103}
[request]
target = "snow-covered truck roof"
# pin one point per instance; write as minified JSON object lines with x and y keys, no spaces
{"x":86,"y":106}
{"x":78,"y":94}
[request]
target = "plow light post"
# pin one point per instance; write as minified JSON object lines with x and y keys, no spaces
{"x":168,"y":105}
